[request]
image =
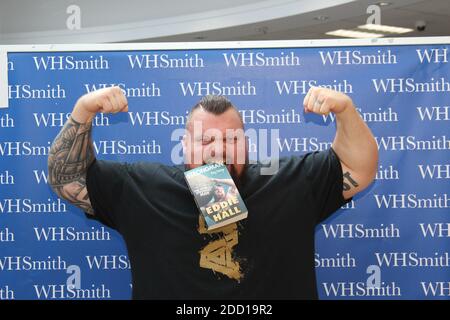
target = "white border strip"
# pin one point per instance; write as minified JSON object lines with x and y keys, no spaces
{"x":4,"y":79}
{"x":226,"y":44}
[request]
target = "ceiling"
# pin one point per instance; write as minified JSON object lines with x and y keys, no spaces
{"x":35,"y":22}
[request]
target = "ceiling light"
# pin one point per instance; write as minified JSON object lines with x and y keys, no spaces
{"x":354,"y":34}
{"x":383,"y":28}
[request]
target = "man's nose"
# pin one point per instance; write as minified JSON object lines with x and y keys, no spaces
{"x":218,"y":150}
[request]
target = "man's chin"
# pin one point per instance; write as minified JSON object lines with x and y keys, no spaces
{"x":234,"y":173}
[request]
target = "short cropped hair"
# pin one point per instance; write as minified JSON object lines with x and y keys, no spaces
{"x":213,"y":104}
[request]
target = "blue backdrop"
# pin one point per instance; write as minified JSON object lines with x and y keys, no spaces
{"x":390,"y":242}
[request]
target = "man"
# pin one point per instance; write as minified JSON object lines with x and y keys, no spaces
{"x":268,"y":255}
{"x":219,"y":193}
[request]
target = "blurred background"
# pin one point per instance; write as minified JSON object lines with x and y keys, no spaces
{"x":111,"y":21}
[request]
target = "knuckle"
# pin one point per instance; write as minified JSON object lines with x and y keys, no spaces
{"x":102,"y":101}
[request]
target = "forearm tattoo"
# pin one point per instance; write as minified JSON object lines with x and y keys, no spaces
{"x":70,"y":156}
{"x":351,"y":182}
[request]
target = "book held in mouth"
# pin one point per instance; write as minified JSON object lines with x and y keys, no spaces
{"x":216,"y":195}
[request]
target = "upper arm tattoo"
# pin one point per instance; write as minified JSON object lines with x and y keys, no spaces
{"x":70,"y":156}
{"x":349,"y":182}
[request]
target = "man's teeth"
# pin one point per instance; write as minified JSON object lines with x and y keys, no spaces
{"x":214,"y":161}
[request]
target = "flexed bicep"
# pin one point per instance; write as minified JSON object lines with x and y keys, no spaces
{"x":70,"y":156}
{"x":72,"y":151}
{"x":353,"y":182}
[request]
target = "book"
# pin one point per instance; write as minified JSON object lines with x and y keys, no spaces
{"x":216,"y":195}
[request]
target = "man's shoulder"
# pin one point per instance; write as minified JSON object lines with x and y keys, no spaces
{"x":140,"y":170}
{"x":285,"y":164}
{"x":279,"y":162}
{"x":152,"y":167}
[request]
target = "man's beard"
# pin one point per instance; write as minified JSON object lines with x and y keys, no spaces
{"x":237,"y":178}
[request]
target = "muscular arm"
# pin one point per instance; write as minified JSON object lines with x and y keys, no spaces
{"x":72,"y":151}
{"x":354,"y":143}
{"x":357,"y":150}
{"x":70,"y":156}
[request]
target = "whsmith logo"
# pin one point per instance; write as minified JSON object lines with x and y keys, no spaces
{"x":71,"y":234}
{"x":412,"y":259}
{"x":61,"y":291}
{"x":23,"y":148}
{"x":123,"y":147}
{"x":260,"y":116}
{"x":144,"y":90}
{"x":156,"y":118}
{"x":26,"y":91}
{"x":302,"y":144}
{"x":360,"y":289}
{"x":165,"y":61}
{"x":411,"y":201}
{"x":261,"y":59}
{"x":296,"y":87}
{"x":387,"y":115}
{"x":201,"y":88}
{"x":411,"y":143}
{"x":30,"y":206}
{"x":70,"y":63}
{"x":410,"y":85}
{"x":53,"y":119}
{"x":28,"y":263}
{"x":359,"y":231}
{"x":350,"y":57}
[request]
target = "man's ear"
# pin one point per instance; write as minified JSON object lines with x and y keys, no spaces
{"x":246,"y":150}
{"x":183,"y":143}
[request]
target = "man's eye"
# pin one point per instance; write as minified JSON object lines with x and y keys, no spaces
{"x":207,"y":139}
{"x":231,"y":139}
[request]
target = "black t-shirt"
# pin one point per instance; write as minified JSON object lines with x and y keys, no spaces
{"x":269,"y":255}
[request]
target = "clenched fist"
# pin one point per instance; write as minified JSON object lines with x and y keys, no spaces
{"x":107,"y":100}
{"x":324,"y":100}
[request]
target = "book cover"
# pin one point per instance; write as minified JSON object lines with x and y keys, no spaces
{"x":216,"y":195}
